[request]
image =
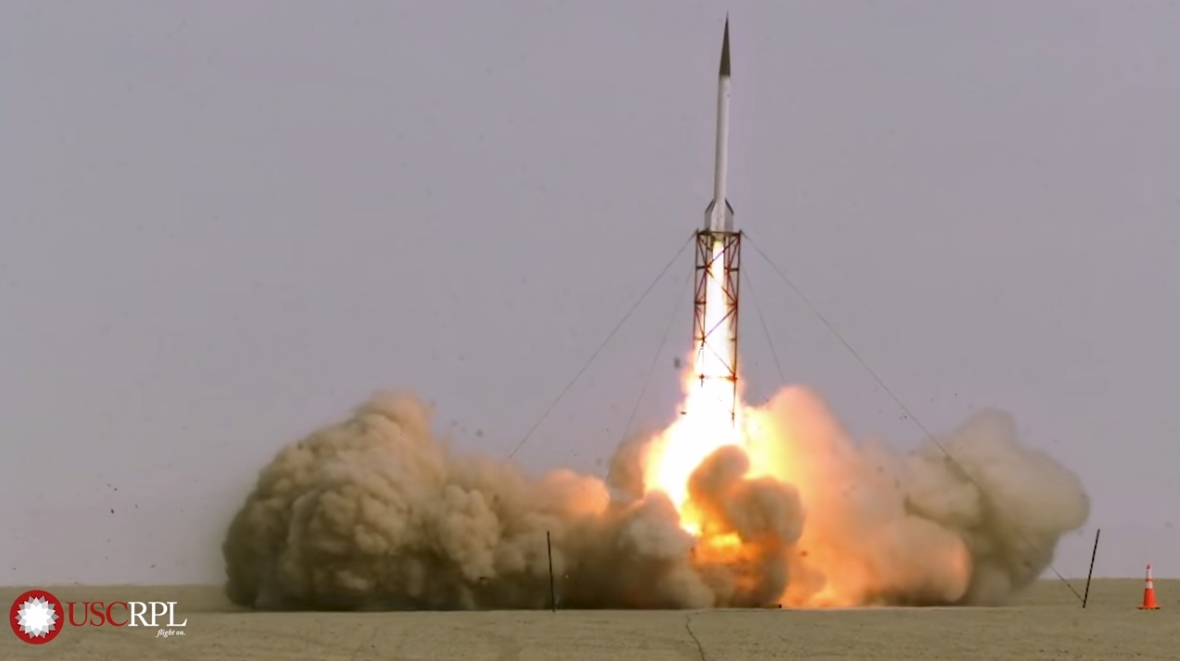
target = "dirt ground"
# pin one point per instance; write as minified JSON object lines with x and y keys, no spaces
{"x":1045,"y":623}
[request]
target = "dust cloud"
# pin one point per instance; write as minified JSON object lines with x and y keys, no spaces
{"x":377,"y":513}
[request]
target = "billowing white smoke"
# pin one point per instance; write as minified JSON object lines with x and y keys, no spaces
{"x":374,"y":512}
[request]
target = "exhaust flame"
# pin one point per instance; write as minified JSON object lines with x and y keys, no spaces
{"x":711,"y":417}
{"x":714,"y":418}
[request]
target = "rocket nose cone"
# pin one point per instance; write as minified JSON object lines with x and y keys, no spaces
{"x":725,"y":50}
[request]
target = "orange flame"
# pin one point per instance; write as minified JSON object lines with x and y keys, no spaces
{"x":828,"y":567}
{"x":712,"y":416}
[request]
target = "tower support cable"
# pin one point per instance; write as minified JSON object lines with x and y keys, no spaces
{"x":564,"y":391}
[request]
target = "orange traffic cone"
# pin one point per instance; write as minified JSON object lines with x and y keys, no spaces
{"x":1149,"y":603}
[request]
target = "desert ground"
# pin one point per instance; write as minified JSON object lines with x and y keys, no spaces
{"x":1046,"y":622}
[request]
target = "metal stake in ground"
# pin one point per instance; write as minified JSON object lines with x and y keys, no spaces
{"x":552,"y":590}
{"x":1093,"y":554}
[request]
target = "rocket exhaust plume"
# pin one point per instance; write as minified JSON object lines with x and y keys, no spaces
{"x":731,"y":505}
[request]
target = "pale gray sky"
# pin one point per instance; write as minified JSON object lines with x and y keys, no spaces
{"x":226,"y":223}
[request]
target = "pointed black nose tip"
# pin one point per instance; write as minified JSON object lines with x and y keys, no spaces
{"x":725,"y":50}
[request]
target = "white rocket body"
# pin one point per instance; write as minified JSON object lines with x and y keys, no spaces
{"x":719,"y":215}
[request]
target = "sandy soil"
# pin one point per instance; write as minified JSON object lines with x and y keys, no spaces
{"x":1046,"y":623}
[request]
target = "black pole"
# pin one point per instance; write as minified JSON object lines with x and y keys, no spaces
{"x":552,"y":591}
{"x":1093,"y":554}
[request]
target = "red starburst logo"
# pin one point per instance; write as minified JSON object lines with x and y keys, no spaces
{"x":36,"y":617}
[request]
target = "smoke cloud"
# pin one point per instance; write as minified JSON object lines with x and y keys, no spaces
{"x":377,"y":513}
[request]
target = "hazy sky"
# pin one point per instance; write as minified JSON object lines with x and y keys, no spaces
{"x":224,"y":224}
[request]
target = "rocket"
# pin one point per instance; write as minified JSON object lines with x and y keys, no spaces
{"x":718,"y":263}
{"x":719,"y":215}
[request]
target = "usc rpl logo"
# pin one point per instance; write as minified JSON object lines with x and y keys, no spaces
{"x":37,"y":616}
